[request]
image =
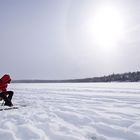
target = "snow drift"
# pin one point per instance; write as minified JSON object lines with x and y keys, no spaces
{"x":78,"y":111}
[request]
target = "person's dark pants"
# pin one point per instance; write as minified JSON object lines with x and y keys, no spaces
{"x":9,"y":94}
{"x":7,"y":97}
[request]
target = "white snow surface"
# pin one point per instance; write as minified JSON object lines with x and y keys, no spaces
{"x":73,"y":111}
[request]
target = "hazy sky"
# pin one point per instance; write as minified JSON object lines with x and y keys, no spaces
{"x":64,"y":39}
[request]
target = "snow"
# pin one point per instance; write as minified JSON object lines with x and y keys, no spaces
{"x":73,"y":111}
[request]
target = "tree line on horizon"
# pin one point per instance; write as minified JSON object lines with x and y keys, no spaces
{"x":124,"y":77}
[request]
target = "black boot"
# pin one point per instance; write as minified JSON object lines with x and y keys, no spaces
{"x":8,"y":103}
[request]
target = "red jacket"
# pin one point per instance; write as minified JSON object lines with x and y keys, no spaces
{"x":4,"y":82}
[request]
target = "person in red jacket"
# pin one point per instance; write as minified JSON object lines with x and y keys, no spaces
{"x":4,"y":94}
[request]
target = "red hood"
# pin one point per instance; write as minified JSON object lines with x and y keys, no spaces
{"x":6,"y":78}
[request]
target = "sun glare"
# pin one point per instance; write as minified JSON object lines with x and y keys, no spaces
{"x":107,"y":26}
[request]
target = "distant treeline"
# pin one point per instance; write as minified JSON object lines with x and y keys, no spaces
{"x":125,"y":77}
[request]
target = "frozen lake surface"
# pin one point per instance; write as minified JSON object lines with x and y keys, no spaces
{"x":73,"y":111}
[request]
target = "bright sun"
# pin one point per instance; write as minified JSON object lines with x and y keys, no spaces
{"x":107,"y":26}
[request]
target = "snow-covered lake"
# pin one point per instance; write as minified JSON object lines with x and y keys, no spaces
{"x":73,"y":111}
